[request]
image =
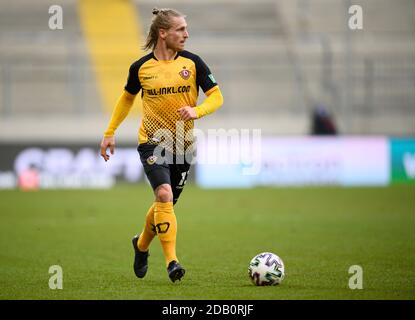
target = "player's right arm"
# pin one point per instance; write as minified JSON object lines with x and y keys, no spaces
{"x":121,"y":110}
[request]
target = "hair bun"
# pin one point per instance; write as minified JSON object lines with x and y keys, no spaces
{"x":156,"y":11}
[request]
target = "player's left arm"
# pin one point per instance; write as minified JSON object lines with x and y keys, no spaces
{"x":212,"y":103}
{"x":207,"y":82}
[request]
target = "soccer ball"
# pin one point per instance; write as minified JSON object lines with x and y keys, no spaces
{"x":266,"y":269}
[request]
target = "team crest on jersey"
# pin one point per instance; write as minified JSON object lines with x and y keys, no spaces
{"x":151,"y":160}
{"x":185,"y":74}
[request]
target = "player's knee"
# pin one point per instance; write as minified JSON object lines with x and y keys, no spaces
{"x":164,"y":194}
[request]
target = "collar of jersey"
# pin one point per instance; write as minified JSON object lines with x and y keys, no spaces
{"x":167,"y":61}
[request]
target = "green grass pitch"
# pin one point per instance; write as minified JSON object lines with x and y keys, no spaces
{"x":318,"y":232}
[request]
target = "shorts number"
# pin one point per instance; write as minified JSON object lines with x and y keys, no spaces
{"x":183,"y":180}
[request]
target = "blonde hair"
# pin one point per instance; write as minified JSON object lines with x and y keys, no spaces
{"x":161,"y":20}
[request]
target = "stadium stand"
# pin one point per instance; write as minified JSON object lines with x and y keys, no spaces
{"x":274,"y":60}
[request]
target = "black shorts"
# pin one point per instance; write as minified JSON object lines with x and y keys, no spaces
{"x":173,"y":171}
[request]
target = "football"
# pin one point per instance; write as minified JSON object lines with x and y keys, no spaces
{"x":266,"y":269}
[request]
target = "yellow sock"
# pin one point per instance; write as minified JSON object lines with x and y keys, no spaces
{"x":166,"y":227}
{"x":148,"y":233}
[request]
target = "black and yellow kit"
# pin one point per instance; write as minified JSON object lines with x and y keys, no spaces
{"x":166,"y":86}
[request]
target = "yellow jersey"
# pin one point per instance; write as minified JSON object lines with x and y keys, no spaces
{"x":166,"y":86}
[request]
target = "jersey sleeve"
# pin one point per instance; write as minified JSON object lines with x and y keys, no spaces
{"x":133,"y":85}
{"x":204,"y":77}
